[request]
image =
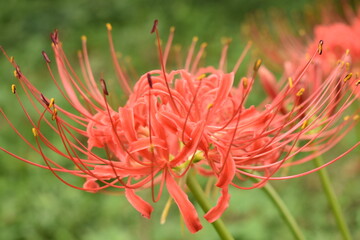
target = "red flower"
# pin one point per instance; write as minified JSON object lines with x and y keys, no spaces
{"x":190,"y":118}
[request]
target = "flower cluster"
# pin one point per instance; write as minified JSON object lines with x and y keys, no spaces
{"x":185,"y":121}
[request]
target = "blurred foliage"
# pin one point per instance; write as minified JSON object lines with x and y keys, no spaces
{"x":35,"y":205}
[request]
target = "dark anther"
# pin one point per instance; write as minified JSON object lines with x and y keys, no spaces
{"x":154,"y":26}
{"x":55,"y":37}
{"x":47,"y":59}
{"x":103,"y":86}
{"x":44,"y":100}
{"x":149,"y":80}
{"x":320,"y":47}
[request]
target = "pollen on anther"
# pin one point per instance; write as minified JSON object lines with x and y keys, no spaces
{"x":290,"y":80}
{"x":347,"y":66}
{"x":257,"y":65}
{"x":54,"y":114}
{"x":305,"y":124}
{"x":13,"y":88}
{"x":347,"y":77}
{"x":245,"y":82}
{"x":108,"y":26}
{"x":320,"y":47}
{"x":34,"y":131}
{"x":226,"y":40}
{"x":52,"y":102}
{"x":300,"y":92}
{"x":210,"y":105}
{"x":151,"y":148}
{"x":346,"y":117}
{"x":83,"y":38}
{"x":202,"y":76}
{"x":204,"y":45}
{"x":356,"y":117}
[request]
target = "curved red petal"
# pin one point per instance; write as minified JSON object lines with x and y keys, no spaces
{"x":186,"y":208}
{"x":138,"y":203}
{"x":223,"y":203}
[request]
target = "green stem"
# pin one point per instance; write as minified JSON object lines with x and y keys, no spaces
{"x":201,"y":198}
{"x":332,"y":199}
{"x":284,"y":211}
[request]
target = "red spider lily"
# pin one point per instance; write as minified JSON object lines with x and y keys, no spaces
{"x":338,"y":31}
{"x":190,"y":118}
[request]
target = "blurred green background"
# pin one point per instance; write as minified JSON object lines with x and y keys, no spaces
{"x":35,"y":205}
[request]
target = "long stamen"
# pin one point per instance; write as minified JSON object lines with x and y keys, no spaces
{"x":168,"y":44}
{"x":198,"y":57}
{"x":190,"y":53}
{"x":161,"y":59}
{"x":242,"y":56}
{"x":119,"y":72}
{"x":151,"y":147}
{"x":105,"y":93}
{"x":222,"y":63}
{"x":88,"y":75}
